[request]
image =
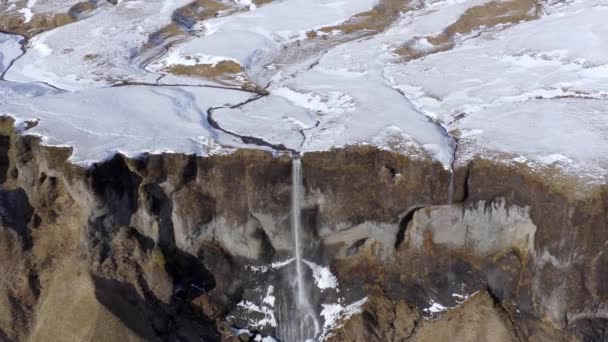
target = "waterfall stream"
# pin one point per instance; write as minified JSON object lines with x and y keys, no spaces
{"x":303,"y":325}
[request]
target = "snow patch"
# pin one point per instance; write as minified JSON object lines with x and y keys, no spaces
{"x":435,"y":308}
{"x":324,"y":279}
{"x":267,"y":312}
{"x":274,"y":266}
{"x":334,"y":315}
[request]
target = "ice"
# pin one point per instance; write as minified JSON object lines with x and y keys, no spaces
{"x":98,"y":51}
{"x":10,"y":49}
{"x":530,"y":91}
{"x":248,"y":34}
{"x":564,"y":130}
{"x":133,"y":119}
{"x":271,"y":118}
{"x":534,"y":89}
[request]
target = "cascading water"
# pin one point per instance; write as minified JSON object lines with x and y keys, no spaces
{"x":451,"y":188}
{"x":303,"y":324}
{"x":296,"y":174}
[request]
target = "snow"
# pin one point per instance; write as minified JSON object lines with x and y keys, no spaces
{"x":34,"y":6}
{"x":267,"y":312}
{"x":274,"y":266}
{"x":245,"y":35}
{"x":265,"y":308}
{"x":259,"y":338}
{"x":269,"y":299}
{"x":140,"y":119}
{"x":9,"y":50}
{"x":334,"y":315}
{"x":323,"y":277}
{"x":533,"y":92}
{"x":97,"y":51}
{"x":521,"y":90}
{"x":27,"y":14}
{"x":435,"y":308}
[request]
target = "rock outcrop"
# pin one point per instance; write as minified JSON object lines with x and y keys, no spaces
{"x":165,"y":247}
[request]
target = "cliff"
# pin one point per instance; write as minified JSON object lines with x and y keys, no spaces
{"x":170,"y":246}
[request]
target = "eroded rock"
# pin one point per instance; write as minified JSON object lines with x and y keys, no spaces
{"x":173,"y":246}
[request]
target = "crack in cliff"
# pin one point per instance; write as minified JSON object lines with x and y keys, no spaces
{"x":505,"y":313}
{"x":465,"y":186}
{"x":403,"y":224}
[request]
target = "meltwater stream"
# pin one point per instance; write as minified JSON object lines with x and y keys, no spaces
{"x":303,"y":325}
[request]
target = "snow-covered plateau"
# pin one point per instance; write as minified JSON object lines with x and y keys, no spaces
{"x":523,"y":81}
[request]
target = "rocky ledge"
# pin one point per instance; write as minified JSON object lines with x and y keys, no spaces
{"x":178,"y":247}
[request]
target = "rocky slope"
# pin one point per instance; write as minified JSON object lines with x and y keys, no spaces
{"x":161,"y":247}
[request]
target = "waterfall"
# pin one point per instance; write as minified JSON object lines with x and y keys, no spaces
{"x":302,"y":325}
{"x":451,"y":188}
{"x":296,"y":174}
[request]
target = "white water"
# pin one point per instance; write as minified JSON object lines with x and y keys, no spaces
{"x":451,"y":188}
{"x":296,"y":176}
{"x":303,"y":325}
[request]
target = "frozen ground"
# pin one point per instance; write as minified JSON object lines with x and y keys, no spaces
{"x":10,"y":49}
{"x":129,"y":119}
{"x":533,"y":90}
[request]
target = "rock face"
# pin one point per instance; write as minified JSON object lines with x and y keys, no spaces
{"x":162,"y":247}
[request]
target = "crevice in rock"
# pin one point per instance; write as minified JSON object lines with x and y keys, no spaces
{"x":149,"y":318}
{"x":403,"y":224}
{"x":5,"y":145}
{"x":261,"y":234}
{"x":190,"y":170}
{"x":505,"y":313}
{"x":16,"y":214}
{"x":190,"y":277}
{"x":116,"y":187}
{"x":3,"y":336}
{"x":592,"y":329}
{"x":465,"y":184}
{"x":391,"y":170}
{"x":417,"y":324}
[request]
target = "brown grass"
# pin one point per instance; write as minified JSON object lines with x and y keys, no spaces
{"x":201,"y":9}
{"x":41,"y":22}
{"x":492,"y":14}
{"x":375,"y":20}
{"x":224,"y":70}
